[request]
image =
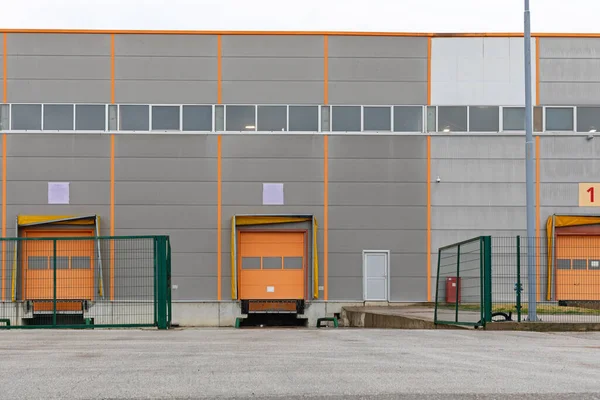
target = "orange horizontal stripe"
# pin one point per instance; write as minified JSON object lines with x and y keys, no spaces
{"x":309,"y":33}
{"x":476,"y":34}
{"x":194,"y":32}
{"x":566,"y":35}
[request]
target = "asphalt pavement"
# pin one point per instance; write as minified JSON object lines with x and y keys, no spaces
{"x":330,"y":364}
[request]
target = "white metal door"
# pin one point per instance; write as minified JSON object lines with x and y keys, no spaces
{"x":375,"y":275}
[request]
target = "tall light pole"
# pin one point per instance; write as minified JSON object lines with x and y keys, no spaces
{"x":529,"y":171}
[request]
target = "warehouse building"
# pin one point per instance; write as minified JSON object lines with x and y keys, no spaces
{"x":310,"y":170}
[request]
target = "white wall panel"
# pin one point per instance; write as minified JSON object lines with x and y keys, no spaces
{"x":479,"y":71}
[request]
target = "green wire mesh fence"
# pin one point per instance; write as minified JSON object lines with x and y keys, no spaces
{"x":485,"y":279}
{"x":567,"y":284}
{"x":460,"y":287}
{"x":81,"y":282}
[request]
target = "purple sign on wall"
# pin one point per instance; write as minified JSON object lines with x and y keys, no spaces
{"x":272,"y":193}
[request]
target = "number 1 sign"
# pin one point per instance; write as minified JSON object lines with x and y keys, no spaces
{"x":588,"y":195}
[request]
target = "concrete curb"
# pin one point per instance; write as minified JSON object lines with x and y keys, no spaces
{"x":359,"y":318}
{"x":401,"y":318}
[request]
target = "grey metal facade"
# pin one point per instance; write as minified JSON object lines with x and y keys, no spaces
{"x":377,"y":184}
{"x":169,"y":186}
{"x":272,"y":69}
{"x":378,"y":199}
{"x":58,"y":68}
{"x":165,"y":69}
{"x":377,"y":70}
{"x":569,"y":71}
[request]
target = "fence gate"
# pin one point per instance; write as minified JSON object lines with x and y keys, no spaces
{"x":73,"y":280}
{"x":462,"y":292}
{"x":486,"y":279}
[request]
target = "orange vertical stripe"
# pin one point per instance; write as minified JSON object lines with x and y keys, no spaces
{"x":5,"y":67}
{"x":537,"y":214}
{"x":219,"y":216}
{"x":325,"y":69}
{"x":429,"y":71}
{"x":428,"y":218}
{"x":112,"y":68}
{"x":112,"y":171}
{"x":112,"y":216}
{"x":537,"y":71}
{"x":219,"y":72}
{"x":428,"y":175}
{"x":325,"y":216}
{"x":4,"y":100}
{"x":325,"y":174}
{"x":4,"y":212}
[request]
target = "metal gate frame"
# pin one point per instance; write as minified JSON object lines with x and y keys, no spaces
{"x":162,"y":283}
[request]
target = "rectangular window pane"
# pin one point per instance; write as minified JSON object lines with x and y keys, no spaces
{"x":271,"y":263}
{"x":37,"y":262}
{"x":538,"y":119}
{"x":219,"y":118}
{"x":61,"y":262}
{"x":409,"y":119}
{"x":240,"y":118}
{"x":90,"y":117}
{"x":588,"y":119}
{"x":113,"y":118}
{"x":377,"y":118}
{"x":134,"y":118}
{"x":452,"y":119}
{"x":559,"y":119}
{"x":81,"y":262}
{"x":4,"y":120}
{"x":304,"y":118}
{"x":594,"y":264}
{"x":513,"y":118}
{"x":563,"y":263}
{"x":26,"y":117}
{"x":325,"y":118}
{"x":579,"y":264}
{"x":484,"y":119}
{"x":272,"y":118}
{"x":165,"y":118}
{"x":199,"y":118}
{"x":58,"y":117}
{"x":250,"y":262}
{"x":345,"y":119}
{"x":292,"y":263}
{"x":431,"y":119}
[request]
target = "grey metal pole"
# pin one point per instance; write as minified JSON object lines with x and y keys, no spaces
{"x":529,"y":168}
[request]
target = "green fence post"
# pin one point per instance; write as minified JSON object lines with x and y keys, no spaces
{"x":155,"y":251}
{"x":54,"y":284}
{"x":487,"y":273}
{"x":481,"y":280}
{"x":518,"y":288}
{"x":169,"y":305}
{"x":458,"y":285}
{"x":437,"y":287}
{"x":162,"y":282}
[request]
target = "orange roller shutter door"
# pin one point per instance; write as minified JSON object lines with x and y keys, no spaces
{"x":272,"y":265}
